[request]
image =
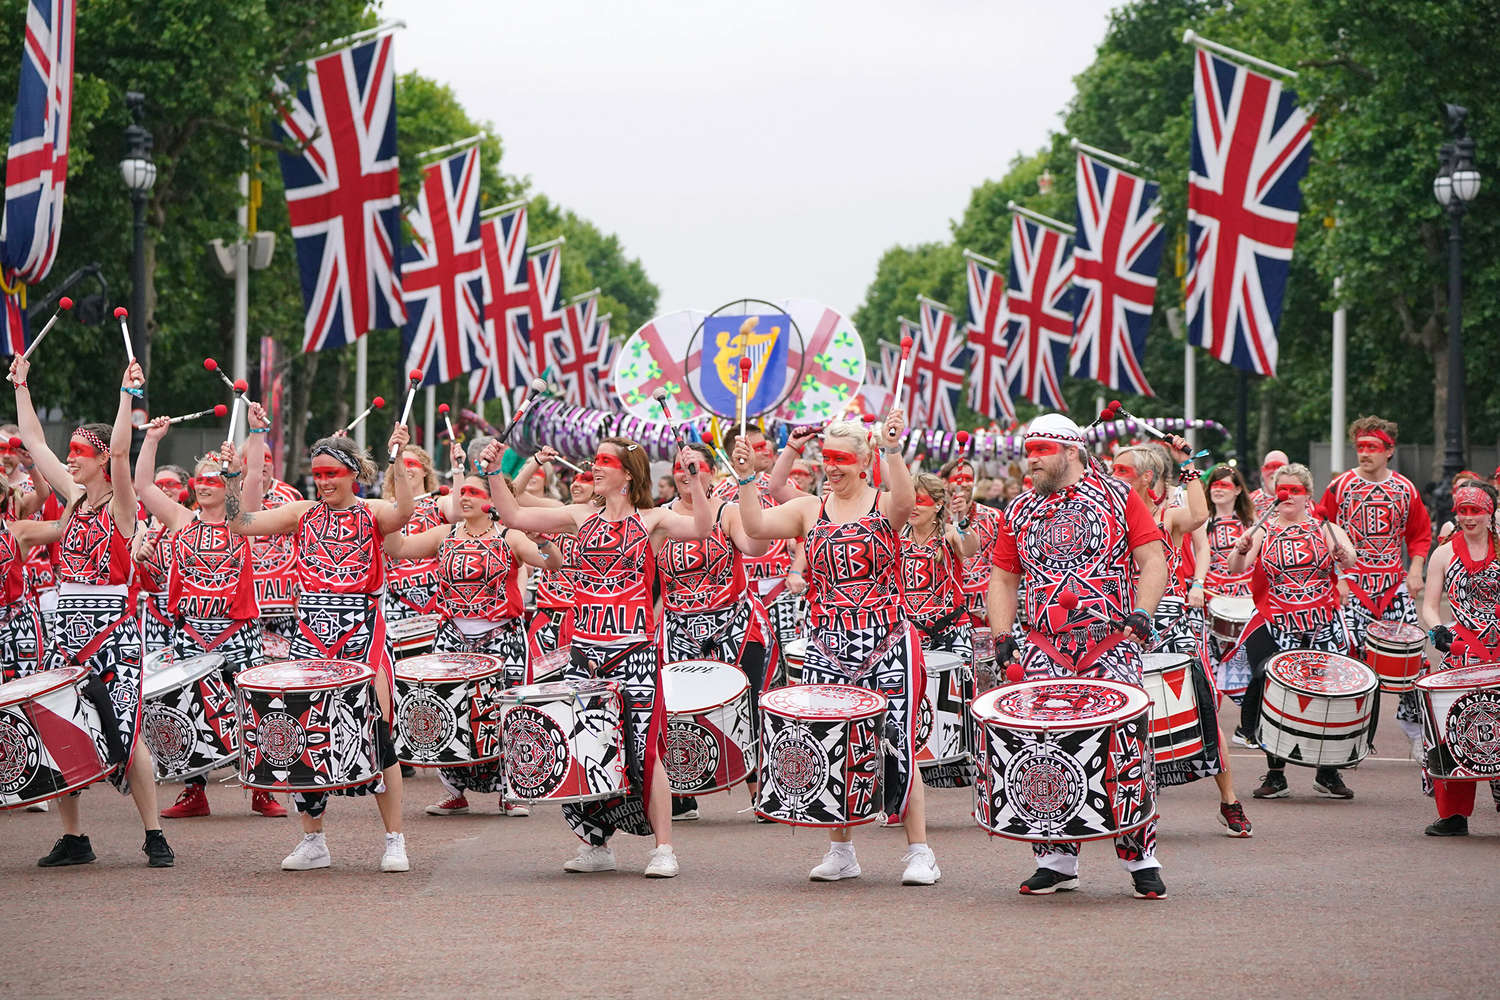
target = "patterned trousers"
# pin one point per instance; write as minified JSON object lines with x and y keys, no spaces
{"x":21,"y":642}
{"x":1357,"y":620}
{"x":156,"y":622}
{"x":100,"y":633}
{"x":507,"y":640}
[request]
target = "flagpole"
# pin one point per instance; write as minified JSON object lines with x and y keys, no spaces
{"x":532,"y":251}
{"x":1039,"y":218}
{"x":1189,"y":391}
{"x":452,"y":147}
{"x":933,"y":302}
{"x":1104,"y":154}
{"x":1191,"y":37}
{"x":971,"y":255}
{"x":490,"y":213}
{"x":429,"y":414}
{"x":584,"y":297}
{"x":1340,"y":353}
{"x":361,"y":384}
{"x":360,"y":36}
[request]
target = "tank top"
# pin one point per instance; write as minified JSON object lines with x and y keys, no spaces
{"x":703,"y":575}
{"x":338,"y":551}
{"x":554,"y":587}
{"x":1474,"y":596}
{"x":155,"y":570}
{"x":211,"y":573}
{"x":416,"y":572}
{"x":853,"y":571}
{"x":477,"y":577}
{"x":1223,"y":534}
{"x":1295,"y":587}
{"x":92,"y":551}
{"x":929,"y":578}
{"x":612,"y":587}
{"x":984,"y":522}
{"x":275,"y":556}
{"x":12,"y":568}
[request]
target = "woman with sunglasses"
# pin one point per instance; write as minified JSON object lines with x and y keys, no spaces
{"x":614,"y":631}
{"x":1295,"y":558}
{"x":479,"y":596}
{"x":341,"y":579}
{"x":95,"y":624}
{"x":411,"y":584}
{"x":211,"y":591}
{"x":859,"y":633}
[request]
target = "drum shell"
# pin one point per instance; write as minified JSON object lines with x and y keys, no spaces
{"x":1397,"y":664}
{"x":1314,"y":728}
{"x":190,"y":719}
{"x":564,"y":742}
{"x":818,"y":769}
{"x":413,"y":636}
{"x":710,"y":747}
{"x":1176,"y":726}
{"x":311,"y":736}
{"x":1227,"y":618}
{"x":942,"y":736}
{"x":1460,"y":708}
{"x":795,"y":653}
{"x":549,"y":666}
{"x":51,"y":739}
{"x":451,"y":721}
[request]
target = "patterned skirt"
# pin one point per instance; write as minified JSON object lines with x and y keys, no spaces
{"x":101,"y":633}
{"x":237,"y":641}
{"x":551,"y":629}
{"x":156,"y":622}
{"x":507,"y":640}
{"x":410,"y":598}
{"x":21,"y":642}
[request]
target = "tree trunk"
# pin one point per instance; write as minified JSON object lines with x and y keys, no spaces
{"x":301,"y":395}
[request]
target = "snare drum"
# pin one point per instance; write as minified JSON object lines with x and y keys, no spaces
{"x":1461,"y":723}
{"x":549,"y":666}
{"x":1064,"y":760}
{"x":985,"y":674}
{"x":189,"y":718}
{"x":564,"y":741}
{"x":51,"y":740}
{"x":275,"y":647}
{"x":821,"y":755}
{"x":307,"y":725}
{"x":1227,"y":618}
{"x":710,"y":746}
{"x":940,"y":716}
{"x":447,"y":709}
{"x":794,"y":652}
{"x":1396,"y":651}
{"x":1317,"y":708}
{"x":413,"y":636}
{"x":1176,"y":725}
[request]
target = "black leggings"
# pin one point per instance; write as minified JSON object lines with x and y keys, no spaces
{"x":1258,"y":649}
{"x":753,"y":663}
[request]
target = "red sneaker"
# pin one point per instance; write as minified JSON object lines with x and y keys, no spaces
{"x":449,"y":807}
{"x":261,"y":802}
{"x":191,"y":803}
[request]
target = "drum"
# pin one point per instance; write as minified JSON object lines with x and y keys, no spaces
{"x":710,"y":744}
{"x":413,"y":636}
{"x":794,"y":652}
{"x":275,"y":647}
{"x":985,"y":674}
{"x":821,"y":755}
{"x":1176,"y":725}
{"x":447,"y":709}
{"x":307,"y":725}
{"x":51,"y":741}
{"x":1227,"y":618}
{"x":189,"y":718}
{"x":550,"y":666}
{"x":1063,"y":760}
{"x":940,"y":716}
{"x":1460,"y":722}
{"x":564,"y":741}
{"x":1317,"y":708}
{"x":1396,"y":652}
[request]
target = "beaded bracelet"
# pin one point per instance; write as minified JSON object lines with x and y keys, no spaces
{"x":746,"y":482}
{"x":1189,"y":475}
{"x":232,"y":475}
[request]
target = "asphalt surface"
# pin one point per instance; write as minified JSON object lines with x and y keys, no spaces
{"x":1329,"y":898}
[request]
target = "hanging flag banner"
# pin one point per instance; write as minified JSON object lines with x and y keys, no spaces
{"x":718,"y":380}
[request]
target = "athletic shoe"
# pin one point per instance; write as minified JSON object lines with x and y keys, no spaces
{"x":766,"y":819}
{"x":453,"y":806}
{"x":1333,"y":786}
{"x":591,"y":859}
{"x":1232,"y":815}
{"x":1451,"y":826}
{"x":394,"y":859}
{"x":1273,"y":786}
{"x":1148,"y":884}
{"x":684,"y":809}
{"x":1240,"y":738}
{"x":261,"y":802}
{"x":191,"y":803}
{"x":311,"y":852}
{"x":836,"y":865}
{"x":661,"y":863}
{"x":1046,"y":881}
{"x":921,"y":866}
{"x":891,"y":821}
{"x":69,"y":850}
{"x":37,"y":807}
{"x":513,"y":810}
{"x":158,"y":854}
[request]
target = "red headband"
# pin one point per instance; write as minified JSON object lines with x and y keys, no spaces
{"x":1377,"y":434}
{"x":1473,"y":496}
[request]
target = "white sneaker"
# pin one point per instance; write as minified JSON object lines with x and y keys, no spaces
{"x":921,"y":866}
{"x":661,"y":863}
{"x":591,"y":859}
{"x":311,"y":853}
{"x":394,"y":859}
{"x":37,"y":807}
{"x":513,"y":809}
{"x":836,"y":865}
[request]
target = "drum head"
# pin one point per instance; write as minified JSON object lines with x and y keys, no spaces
{"x":180,"y":673}
{"x":1312,"y":671}
{"x":1156,"y":663}
{"x":1480,"y":675}
{"x":37,"y":684}
{"x":413,"y":628}
{"x":558,"y":691}
{"x":697,"y":685}
{"x":275,"y":647}
{"x":1397,"y":633}
{"x":941,"y":663}
{"x":448,"y":667}
{"x":157,"y":659}
{"x":1061,"y":704}
{"x":1236,"y":608}
{"x":304,"y":675}
{"x":796,"y":650}
{"x":823,"y":701}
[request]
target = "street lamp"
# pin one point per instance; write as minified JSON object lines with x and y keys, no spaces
{"x":1456,"y":184}
{"x":138,"y":171}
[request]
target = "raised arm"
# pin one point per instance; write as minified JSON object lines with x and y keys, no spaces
{"x":422,"y":545}
{"x":33,"y":440}
{"x":678,"y":527}
{"x":963,"y":543}
{"x":787,"y":520}
{"x":901,"y":498}
{"x":277,"y":521}
{"x":541,"y":553}
{"x":1432,"y":610}
{"x":255,"y":457}
{"x":122,"y":505}
{"x":162,"y":507}
{"x":1182,"y":520}
{"x":781,"y":487}
{"x":735,"y":529}
{"x":534,"y":519}
{"x":391,"y":517}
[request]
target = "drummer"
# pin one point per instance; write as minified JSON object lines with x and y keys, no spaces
{"x":411,"y":584}
{"x":275,"y":557}
{"x":151,"y":549}
{"x":613,"y":633}
{"x":211,"y":592}
{"x":1232,"y":515}
{"x":1115,"y":568}
{"x":21,"y":638}
{"x":339,"y":614}
{"x":1265,"y":496}
{"x":980,"y":521}
{"x":768,"y":572}
{"x":1459,"y":608}
{"x":858,"y":632}
{"x":551,"y":626}
{"x":1297,"y":555}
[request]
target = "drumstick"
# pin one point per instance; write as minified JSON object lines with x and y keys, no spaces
{"x":901,"y":371}
{"x":744,"y":388}
{"x":660,"y":395}
{"x":412,"y":378}
{"x":1281,"y":494}
{"x":1114,"y":408}
{"x":213,"y":366}
{"x":121,"y":313}
{"x":443,"y":409}
{"x":217,"y":410}
{"x":63,"y":305}
{"x":537,"y":386}
{"x":1069,"y":602}
{"x":378,"y":403}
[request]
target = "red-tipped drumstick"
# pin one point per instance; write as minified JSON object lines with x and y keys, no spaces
{"x":537,"y":387}
{"x":412,"y":378}
{"x":1281,"y":494}
{"x":1068,"y":601}
{"x":660,"y":395}
{"x":63,"y":305}
{"x":378,"y":403}
{"x":896,"y":390}
{"x":1115,"y":409}
{"x":744,"y":388}
{"x":218,"y":410}
{"x":121,"y":313}
{"x":443,"y":409}
{"x":240,"y":387}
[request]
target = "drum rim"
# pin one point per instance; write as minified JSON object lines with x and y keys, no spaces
{"x":1433,"y":681}
{"x":1129,"y":690}
{"x":1417,"y":634}
{"x":148,"y":695}
{"x":517,"y":696}
{"x":108,"y":770}
{"x":1184,"y":659}
{"x":768,"y":702}
{"x":224,"y":761}
{"x":1374,"y":678}
{"x":743,"y":692}
{"x":497,"y":666}
{"x":364,"y":675}
{"x":1222,"y":599}
{"x":62,"y":676}
{"x":958,"y":662}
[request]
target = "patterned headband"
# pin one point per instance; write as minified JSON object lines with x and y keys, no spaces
{"x":94,"y":441}
{"x":1473,"y":496}
{"x":340,"y":456}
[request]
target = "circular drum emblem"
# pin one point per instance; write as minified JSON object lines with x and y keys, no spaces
{"x":170,"y":734}
{"x":1474,"y":731}
{"x":1319,"y":672}
{"x":427,"y":722}
{"x":1044,"y":786}
{"x":536,"y":752}
{"x":19,"y":754}
{"x":1061,"y":702}
{"x":798,"y":767}
{"x":281,"y":739}
{"x":692,"y":755}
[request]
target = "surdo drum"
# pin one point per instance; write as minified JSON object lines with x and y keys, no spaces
{"x":189,"y":718}
{"x":821,"y":755}
{"x":710,"y":744}
{"x":413,"y":636}
{"x":51,"y":741}
{"x":794,"y":652}
{"x":1227,"y":618}
{"x":564,"y":741}
{"x":1063,"y":760}
{"x":1176,"y":726}
{"x":307,"y":725}
{"x":1460,"y":723}
{"x":1317,"y":708}
{"x":550,"y":666}
{"x":447,"y":709}
{"x":985,"y":674}
{"x":941,"y":738}
{"x":1396,"y":651}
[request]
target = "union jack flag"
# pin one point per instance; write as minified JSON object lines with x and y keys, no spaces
{"x":1251,"y":148}
{"x":442,"y":273}
{"x":544,"y":314}
{"x":507,"y":299}
{"x":573,"y":349}
{"x":1038,"y":311}
{"x":989,"y":396}
{"x":343,"y":193}
{"x":939,"y":360}
{"x":1115,"y":260}
{"x":597,"y":388}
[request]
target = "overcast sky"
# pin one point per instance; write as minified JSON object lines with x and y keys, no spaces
{"x":763,"y":148}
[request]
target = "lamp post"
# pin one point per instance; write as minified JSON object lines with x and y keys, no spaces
{"x":139,"y":173}
{"x":1456,"y":184}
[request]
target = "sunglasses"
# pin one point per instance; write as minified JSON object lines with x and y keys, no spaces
{"x":833,"y":456}
{"x":330,"y":475}
{"x":474,"y":492}
{"x":1042,"y":448}
{"x":604,"y":460}
{"x":202,"y":483}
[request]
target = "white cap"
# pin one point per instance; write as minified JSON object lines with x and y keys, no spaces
{"x":1058,"y":428}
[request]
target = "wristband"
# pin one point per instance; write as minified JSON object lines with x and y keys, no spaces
{"x":232,"y":475}
{"x":747,"y":481}
{"x":20,"y":385}
{"x":796,"y":449}
{"x":137,"y":393}
{"x":260,"y":430}
{"x":894,"y":449}
{"x":1196,"y":585}
{"x":791,"y":571}
{"x":492,"y":472}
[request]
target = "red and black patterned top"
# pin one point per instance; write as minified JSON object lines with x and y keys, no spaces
{"x":12,"y":569}
{"x":477,"y":577}
{"x":1378,"y":517}
{"x":92,"y":551}
{"x":1473,"y":591}
{"x":776,"y":563}
{"x":338,"y":551}
{"x":426,"y":514}
{"x":1223,"y":534}
{"x":853,"y":571}
{"x":275,"y":556}
{"x":984,"y":523}
{"x":211,"y":573}
{"x":929,"y":578}
{"x":612,"y":585}
{"x":554,"y":587}
{"x":154,"y":569}
{"x":1293,"y":579}
{"x":702,"y":575}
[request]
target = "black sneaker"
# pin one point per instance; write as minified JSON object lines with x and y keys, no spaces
{"x":1330,"y":784}
{"x":1272,"y":786}
{"x":684,"y":809}
{"x":69,"y":850}
{"x":1240,"y":738}
{"x":1046,"y":881}
{"x":1232,"y":815}
{"x":1451,"y":826}
{"x":158,"y":854}
{"x":1148,"y":884}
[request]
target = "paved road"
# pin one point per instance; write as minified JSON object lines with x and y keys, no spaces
{"x":1328,"y":899}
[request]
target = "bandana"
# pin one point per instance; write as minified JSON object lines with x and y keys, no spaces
{"x":340,"y":456}
{"x":1378,"y":435}
{"x":95,"y":441}
{"x":1473,"y":496}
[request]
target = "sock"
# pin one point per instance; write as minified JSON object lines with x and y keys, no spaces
{"x":841,"y":847}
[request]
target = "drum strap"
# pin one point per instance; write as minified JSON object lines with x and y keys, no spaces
{"x":1091,"y":654}
{"x":206,"y":645}
{"x":1376,"y":607}
{"x":939,"y":625}
{"x":154,"y":610}
{"x":428,"y":608}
